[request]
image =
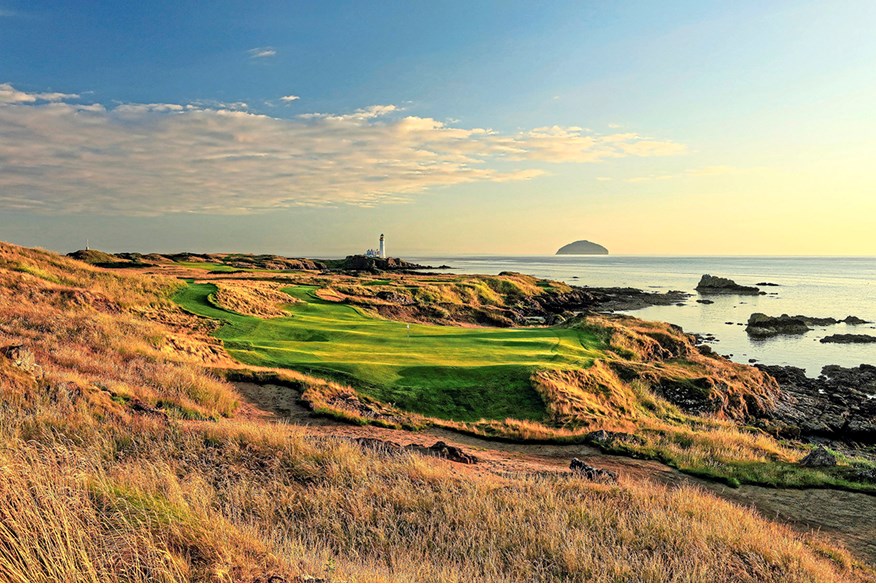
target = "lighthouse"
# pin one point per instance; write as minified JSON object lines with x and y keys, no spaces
{"x":382,"y":248}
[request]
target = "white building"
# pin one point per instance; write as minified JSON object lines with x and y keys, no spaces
{"x":380,"y":252}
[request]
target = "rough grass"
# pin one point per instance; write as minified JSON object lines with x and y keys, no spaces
{"x":100,"y":334}
{"x":243,"y":501}
{"x":93,"y":488}
{"x":253,"y":299}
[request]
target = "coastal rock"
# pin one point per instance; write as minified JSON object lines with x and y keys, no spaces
{"x":705,"y":301}
{"x":581,"y":299}
{"x":836,"y":405}
{"x":819,"y":457}
{"x":761,"y":325}
{"x":361,"y":263}
{"x":847,"y":339}
{"x":591,"y":472}
{"x":582,"y":247}
{"x":716,"y":285}
{"x":855,"y":320}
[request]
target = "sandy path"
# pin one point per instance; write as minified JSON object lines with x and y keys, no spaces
{"x":848,"y":517}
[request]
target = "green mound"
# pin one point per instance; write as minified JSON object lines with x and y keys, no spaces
{"x":456,"y":373}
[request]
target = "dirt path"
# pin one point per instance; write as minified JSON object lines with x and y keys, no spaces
{"x":848,"y":517}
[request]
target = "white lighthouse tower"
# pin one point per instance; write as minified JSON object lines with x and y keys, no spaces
{"x":382,"y":247}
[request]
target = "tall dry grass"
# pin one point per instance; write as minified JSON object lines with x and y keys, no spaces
{"x":252,"y":298}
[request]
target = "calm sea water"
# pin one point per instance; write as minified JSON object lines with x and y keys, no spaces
{"x":822,"y":286}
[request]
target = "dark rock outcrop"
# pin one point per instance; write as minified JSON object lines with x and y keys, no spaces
{"x":709,"y":284}
{"x":582,"y":247}
{"x":592,"y":473}
{"x":361,"y":263}
{"x":394,"y":297}
{"x":596,"y":300}
{"x":846,"y":339}
{"x":439,"y":449}
{"x":442,"y":450}
{"x":607,"y":440}
{"x":21,"y":357}
{"x":819,"y":457}
{"x":761,"y":325}
{"x":837,"y":404}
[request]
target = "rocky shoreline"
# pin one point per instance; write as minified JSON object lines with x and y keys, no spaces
{"x":586,"y":299}
{"x":840,"y":404}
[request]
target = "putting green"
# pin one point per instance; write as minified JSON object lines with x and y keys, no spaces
{"x":449,"y":372}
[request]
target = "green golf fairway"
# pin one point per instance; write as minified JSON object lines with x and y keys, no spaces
{"x":450,"y":372}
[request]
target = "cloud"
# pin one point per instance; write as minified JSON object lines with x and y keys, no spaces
{"x":366,"y":113}
{"x":9,"y":94}
{"x":151,"y":159}
{"x":289,"y":98}
{"x":262,"y":52}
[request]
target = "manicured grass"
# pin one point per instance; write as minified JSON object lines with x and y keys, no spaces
{"x":449,"y":372}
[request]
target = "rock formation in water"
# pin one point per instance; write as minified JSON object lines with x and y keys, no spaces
{"x":716,"y":285}
{"x":847,"y":339}
{"x":761,"y":325}
{"x":582,"y":247}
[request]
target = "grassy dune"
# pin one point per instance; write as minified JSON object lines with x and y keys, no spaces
{"x":451,"y":372}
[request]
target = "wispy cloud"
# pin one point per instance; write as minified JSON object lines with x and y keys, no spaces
{"x":9,"y":94}
{"x":289,"y":98}
{"x":262,"y":52}
{"x":148,"y":159}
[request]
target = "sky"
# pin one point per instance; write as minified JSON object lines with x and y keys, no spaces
{"x":489,"y":127}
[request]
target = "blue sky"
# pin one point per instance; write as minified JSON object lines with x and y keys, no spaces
{"x":515,"y":127}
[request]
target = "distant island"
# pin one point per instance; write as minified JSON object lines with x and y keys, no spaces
{"x":582,"y":247}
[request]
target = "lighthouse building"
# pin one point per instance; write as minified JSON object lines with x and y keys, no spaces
{"x":380,"y":252}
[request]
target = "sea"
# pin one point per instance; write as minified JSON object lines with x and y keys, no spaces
{"x":811,"y":286}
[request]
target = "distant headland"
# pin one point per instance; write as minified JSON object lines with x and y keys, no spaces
{"x":582,"y":247}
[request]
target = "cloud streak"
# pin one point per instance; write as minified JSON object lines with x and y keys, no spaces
{"x":10,"y":95}
{"x":262,"y":52}
{"x":149,"y":159}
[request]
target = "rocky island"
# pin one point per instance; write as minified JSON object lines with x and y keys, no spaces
{"x":582,"y":247}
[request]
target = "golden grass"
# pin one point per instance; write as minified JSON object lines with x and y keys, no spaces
{"x":108,"y":335}
{"x":236,"y":500}
{"x":252,"y":299}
